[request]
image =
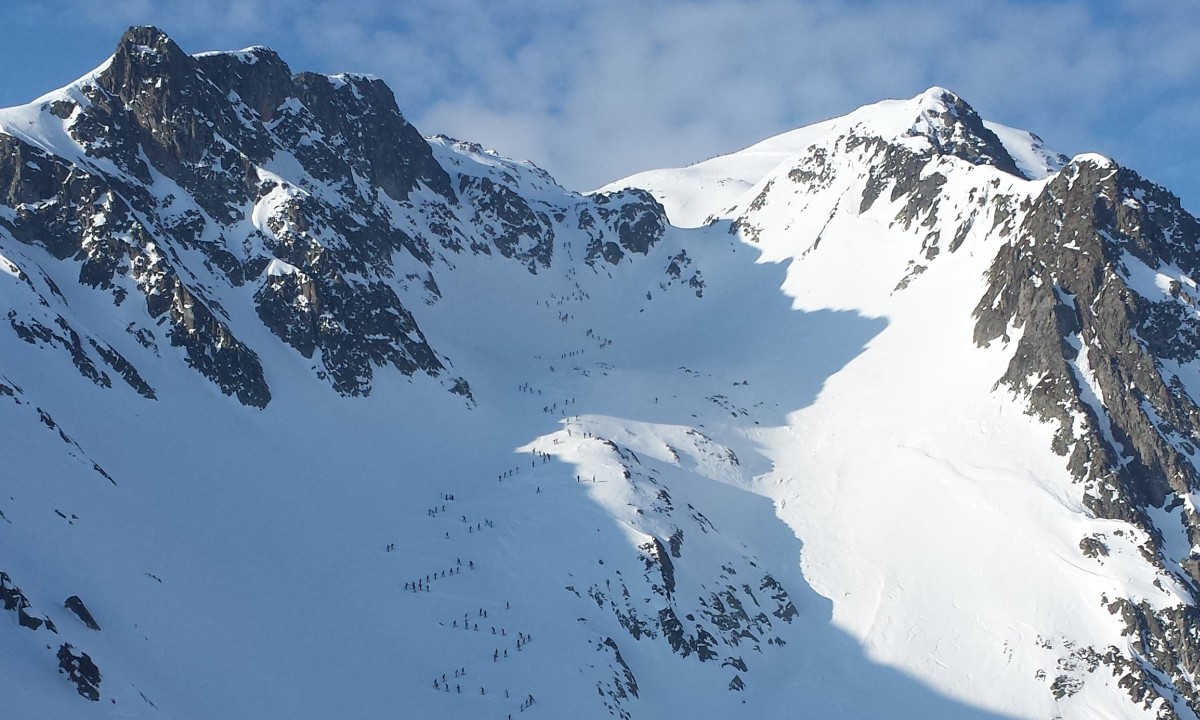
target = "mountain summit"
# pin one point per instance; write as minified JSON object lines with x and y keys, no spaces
{"x":308,"y":415}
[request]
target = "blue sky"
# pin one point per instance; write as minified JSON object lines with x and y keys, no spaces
{"x":593,"y":91}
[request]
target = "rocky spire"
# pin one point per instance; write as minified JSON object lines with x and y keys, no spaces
{"x":954,"y":128}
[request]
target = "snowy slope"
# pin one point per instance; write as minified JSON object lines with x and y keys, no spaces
{"x":920,"y":488}
{"x":758,"y":462}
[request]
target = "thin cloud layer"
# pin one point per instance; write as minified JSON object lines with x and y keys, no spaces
{"x":594,"y":91}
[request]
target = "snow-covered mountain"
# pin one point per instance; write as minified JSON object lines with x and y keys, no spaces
{"x":305,"y":415}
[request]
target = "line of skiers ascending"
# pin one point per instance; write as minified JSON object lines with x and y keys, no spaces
{"x":554,"y":406}
{"x":444,"y":686}
{"x":522,"y":641}
{"x":604,"y":342}
{"x":479,"y":525}
{"x":509,"y":473}
{"x":433,"y":511}
{"x":462,"y":672}
{"x":423,"y":584}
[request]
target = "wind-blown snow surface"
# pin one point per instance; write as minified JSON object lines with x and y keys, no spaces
{"x":859,"y":524}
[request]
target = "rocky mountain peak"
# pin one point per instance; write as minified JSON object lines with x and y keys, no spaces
{"x":143,"y":39}
{"x":203,"y":174}
{"x":954,"y":128}
{"x":179,"y":228}
{"x":257,"y":75}
{"x":143,"y":55}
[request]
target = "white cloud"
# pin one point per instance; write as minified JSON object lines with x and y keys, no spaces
{"x":616,"y":87}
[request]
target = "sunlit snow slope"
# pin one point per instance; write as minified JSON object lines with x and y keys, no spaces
{"x":318,"y":418}
{"x":937,"y":512}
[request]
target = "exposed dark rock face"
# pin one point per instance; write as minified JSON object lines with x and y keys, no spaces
{"x":380,"y":332}
{"x":1097,"y":283}
{"x":740,"y":611}
{"x":912,"y":174}
{"x":639,"y":221}
{"x":75,"y":605}
{"x":15,"y":601}
{"x":654,"y":555}
{"x":1065,"y":281}
{"x":1167,"y":643}
{"x":221,"y":194}
{"x":623,"y":684}
{"x":514,"y":228}
{"x":81,"y":671}
{"x":79,"y":668}
{"x":1106,"y":353}
{"x":954,"y":128}
{"x":188,"y":177}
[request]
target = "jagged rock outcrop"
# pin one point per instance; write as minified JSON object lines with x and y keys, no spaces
{"x":1097,"y":282}
{"x":81,"y":671}
{"x":223,"y":214}
{"x":718,"y":616}
{"x":75,"y":605}
{"x":182,"y":178}
{"x":1092,"y":290}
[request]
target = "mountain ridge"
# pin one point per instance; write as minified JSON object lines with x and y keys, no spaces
{"x":267,"y":345}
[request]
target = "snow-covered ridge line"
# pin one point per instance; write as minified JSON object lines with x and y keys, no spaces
{"x":717,"y":187}
{"x":311,"y":412}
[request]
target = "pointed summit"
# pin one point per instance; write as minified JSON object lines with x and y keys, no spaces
{"x":144,"y":53}
{"x":932,"y":125}
{"x":146,"y":36}
{"x":954,"y":128}
{"x":146,"y":45}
